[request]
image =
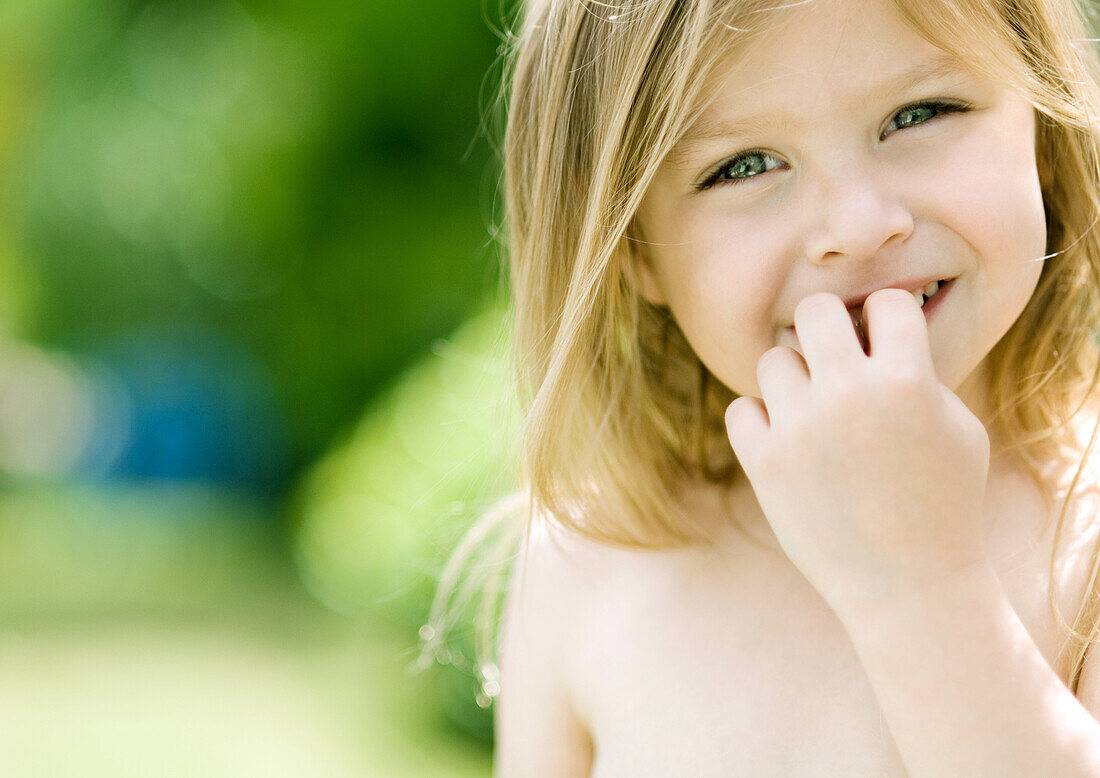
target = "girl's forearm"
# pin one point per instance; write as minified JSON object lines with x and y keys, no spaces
{"x":964,"y":688}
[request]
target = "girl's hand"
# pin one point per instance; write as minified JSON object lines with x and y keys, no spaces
{"x":870,"y":471}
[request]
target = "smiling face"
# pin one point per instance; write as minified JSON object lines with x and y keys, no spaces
{"x":843,"y":154}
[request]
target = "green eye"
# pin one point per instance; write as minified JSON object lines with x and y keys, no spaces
{"x":919,"y":113}
{"x":745,"y":167}
{"x":916,"y":114}
{"x":742,"y":167}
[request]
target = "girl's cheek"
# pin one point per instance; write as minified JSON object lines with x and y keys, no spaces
{"x":745,"y":261}
{"x":997,"y":204}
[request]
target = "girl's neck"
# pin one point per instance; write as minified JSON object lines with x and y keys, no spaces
{"x":974,"y":392}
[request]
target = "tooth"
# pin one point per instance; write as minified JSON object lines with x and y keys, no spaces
{"x":919,"y":298}
{"x":931,"y":289}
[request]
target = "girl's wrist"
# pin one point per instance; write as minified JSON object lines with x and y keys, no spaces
{"x":871,"y":611}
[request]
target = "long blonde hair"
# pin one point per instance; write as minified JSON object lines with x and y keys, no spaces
{"x":618,"y":409}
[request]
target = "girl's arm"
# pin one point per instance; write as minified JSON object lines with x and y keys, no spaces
{"x":537,"y":732}
{"x":872,"y":473}
{"x":964,"y":688}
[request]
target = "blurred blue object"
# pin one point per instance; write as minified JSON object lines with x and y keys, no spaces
{"x":193,"y":406}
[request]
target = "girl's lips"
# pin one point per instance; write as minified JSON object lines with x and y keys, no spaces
{"x":934,"y":303}
{"x":929,"y":310}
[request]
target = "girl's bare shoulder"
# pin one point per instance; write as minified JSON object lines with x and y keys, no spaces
{"x":578,"y":593}
{"x":566,"y":577}
{"x":558,"y":564}
{"x":561,"y":582}
{"x":579,"y":598}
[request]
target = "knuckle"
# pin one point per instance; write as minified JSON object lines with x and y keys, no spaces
{"x":844,"y":401}
{"x":906,"y":381}
{"x":844,"y":397}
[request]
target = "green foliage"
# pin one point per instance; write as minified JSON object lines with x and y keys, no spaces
{"x":71,"y":548}
{"x":305,"y":177}
{"x":379,"y":515}
{"x":311,"y":181}
{"x":381,"y":512}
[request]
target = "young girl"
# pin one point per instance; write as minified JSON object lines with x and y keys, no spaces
{"x":781,"y":519}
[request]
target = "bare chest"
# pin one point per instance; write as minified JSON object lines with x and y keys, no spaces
{"x":699,"y":671}
{"x":741,"y":691}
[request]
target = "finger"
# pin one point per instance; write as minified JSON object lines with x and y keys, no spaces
{"x":746,"y":427}
{"x":782,"y":378}
{"x":896,"y":330}
{"x":826,"y":333}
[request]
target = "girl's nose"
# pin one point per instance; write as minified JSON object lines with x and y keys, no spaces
{"x":854,"y":215}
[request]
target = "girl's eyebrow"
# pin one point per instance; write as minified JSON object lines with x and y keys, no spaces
{"x":707,"y":130}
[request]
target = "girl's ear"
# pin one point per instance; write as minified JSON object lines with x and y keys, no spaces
{"x":648,"y":285}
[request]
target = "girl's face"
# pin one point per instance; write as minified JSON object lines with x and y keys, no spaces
{"x":845,"y":154}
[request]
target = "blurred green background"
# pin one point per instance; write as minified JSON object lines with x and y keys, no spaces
{"x":252,"y":381}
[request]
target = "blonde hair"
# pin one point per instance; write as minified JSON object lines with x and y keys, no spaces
{"x":618,"y":409}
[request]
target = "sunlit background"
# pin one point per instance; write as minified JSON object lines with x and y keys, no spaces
{"x":252,"y":386}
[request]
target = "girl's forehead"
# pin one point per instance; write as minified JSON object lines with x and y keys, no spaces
{"x":738,"y":110}
{"x":836,"y":39}
{"x":830,"y":49}
{"x":840,"y":37}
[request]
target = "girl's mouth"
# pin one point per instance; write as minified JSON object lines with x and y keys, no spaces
{"x":929,"y":298}
{"x":930,"y":305}
{"x":933,"y":303}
